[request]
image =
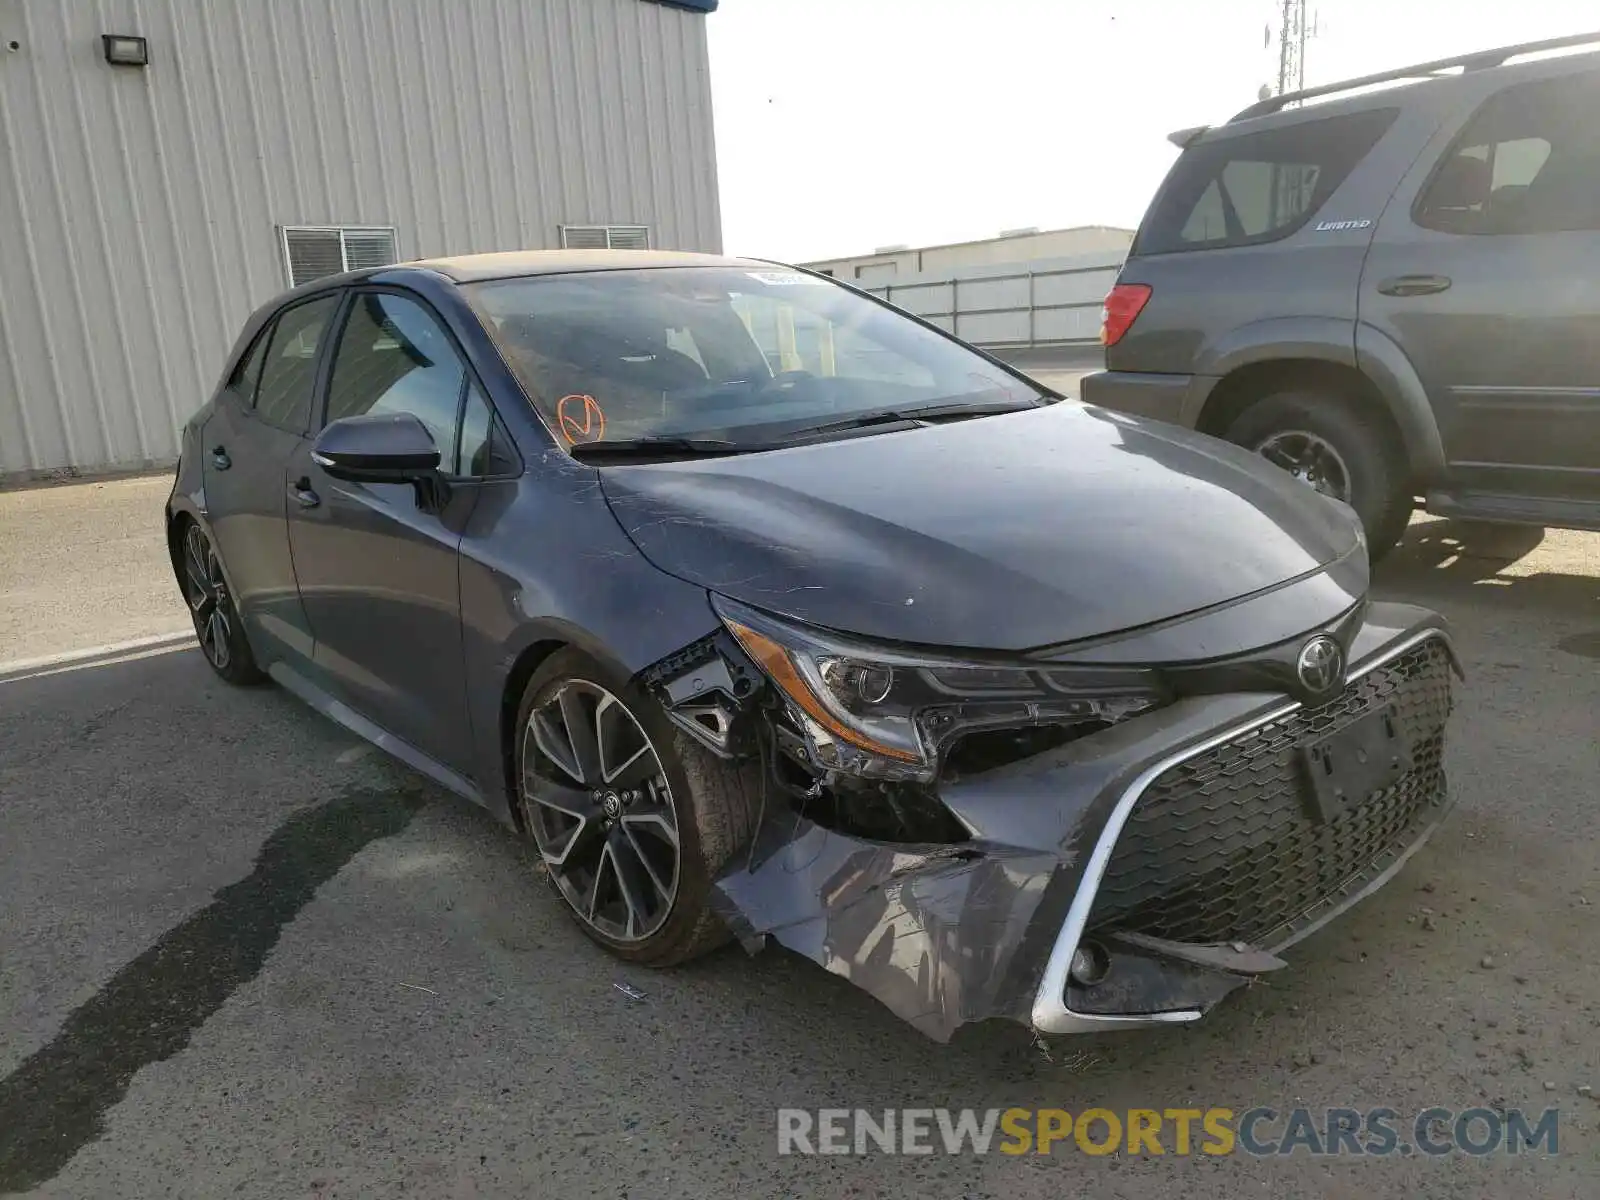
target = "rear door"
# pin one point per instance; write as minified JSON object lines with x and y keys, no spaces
{"x":259,"y":423}
{"x":1486,"y":271}
{"x":378,"y":572}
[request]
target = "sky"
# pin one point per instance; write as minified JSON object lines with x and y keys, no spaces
{"x":845,"y":125}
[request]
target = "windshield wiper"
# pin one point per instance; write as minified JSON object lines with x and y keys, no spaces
{"x":656,"y":446}
{"x":928,"y":412}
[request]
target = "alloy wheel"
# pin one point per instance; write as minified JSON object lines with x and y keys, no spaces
{"x":1310,"y":458}
{"x":597,"y":800}
{"x":207,"y":593}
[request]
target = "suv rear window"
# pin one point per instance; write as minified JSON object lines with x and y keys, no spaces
{"x":1257,"y":187}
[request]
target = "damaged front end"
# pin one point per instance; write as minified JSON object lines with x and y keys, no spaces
{"x":977,"y":839}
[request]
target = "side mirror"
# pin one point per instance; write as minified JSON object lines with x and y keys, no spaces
{"x":386,"y":448}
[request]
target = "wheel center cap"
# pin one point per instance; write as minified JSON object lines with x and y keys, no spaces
{"x":611,"y":803}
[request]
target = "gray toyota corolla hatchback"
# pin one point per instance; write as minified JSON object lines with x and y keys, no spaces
{"x":765,"y":609}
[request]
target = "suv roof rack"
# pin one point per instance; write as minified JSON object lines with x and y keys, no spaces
{"x":1478,"y":61}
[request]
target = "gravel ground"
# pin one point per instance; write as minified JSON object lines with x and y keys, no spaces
{"x":85,"y":564}
{"x":243,"y":954}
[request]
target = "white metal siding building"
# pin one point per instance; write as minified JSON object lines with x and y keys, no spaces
{"x":890,"y":263}
{"x":146,"y":210}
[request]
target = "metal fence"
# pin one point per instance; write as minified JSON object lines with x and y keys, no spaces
{"x":1052,"y":302}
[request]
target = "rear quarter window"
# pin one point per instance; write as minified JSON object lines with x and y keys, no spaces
{"x":241,"y":383}
{"x":1257,"y":187}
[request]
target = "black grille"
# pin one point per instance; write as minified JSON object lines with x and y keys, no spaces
{"x":1224,"y":848}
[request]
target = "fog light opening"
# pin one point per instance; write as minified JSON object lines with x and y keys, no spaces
{"x":1090,"y":964}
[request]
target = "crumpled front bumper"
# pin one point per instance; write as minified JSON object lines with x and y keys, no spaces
{"x":948,"y":934}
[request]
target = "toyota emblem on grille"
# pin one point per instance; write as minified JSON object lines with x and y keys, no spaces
{"x":1320,"y":665}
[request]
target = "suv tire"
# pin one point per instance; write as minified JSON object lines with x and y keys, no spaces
{"x":1375,"y":467}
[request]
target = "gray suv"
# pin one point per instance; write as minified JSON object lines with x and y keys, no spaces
{"x":1392,"y":292}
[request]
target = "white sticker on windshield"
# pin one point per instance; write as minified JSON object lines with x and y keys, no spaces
{"x":785,"y":278}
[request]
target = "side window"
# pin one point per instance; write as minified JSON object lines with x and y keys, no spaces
{"x":1206,"y":222}
{"x":1260,"y":198}
{"x":1526,"y":163}
{"x":242,"y":383}
{"x":289,"y":372}
{"x":1250,"y":188}
{"x":485,"y":445}
{"x":394,"y":358}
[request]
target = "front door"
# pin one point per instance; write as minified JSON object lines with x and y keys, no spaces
{"x":378,"y":571}
{"x":258,"y":425}
{"x":1486,"y":270}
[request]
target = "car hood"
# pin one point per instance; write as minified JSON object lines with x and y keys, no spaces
{"x":1009,"y":532}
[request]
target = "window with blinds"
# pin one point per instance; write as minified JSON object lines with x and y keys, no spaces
{"x":605,"y":237}
{"x":312,"y":251}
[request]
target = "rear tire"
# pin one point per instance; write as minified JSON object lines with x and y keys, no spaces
{"x":1365,"y":451}
{"x":211,"y":608}
{"x":712,"y":805}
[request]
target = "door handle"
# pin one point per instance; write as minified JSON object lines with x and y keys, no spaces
{"x":220,"y":459}
{"x":300,"y":489}
{"x":1414,"y":285}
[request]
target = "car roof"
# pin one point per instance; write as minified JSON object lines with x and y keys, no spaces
{"x":469,"y":268}
{"x":511,"y":264}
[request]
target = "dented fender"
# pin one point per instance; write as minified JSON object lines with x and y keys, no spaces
{"x":944,"y":935}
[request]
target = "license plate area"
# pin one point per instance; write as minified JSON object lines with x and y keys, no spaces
{"x":1344,"y":768}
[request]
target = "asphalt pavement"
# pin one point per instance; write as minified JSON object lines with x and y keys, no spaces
{"x":244,"y":954}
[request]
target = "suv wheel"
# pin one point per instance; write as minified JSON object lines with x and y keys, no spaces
{"x":1337,"y":449}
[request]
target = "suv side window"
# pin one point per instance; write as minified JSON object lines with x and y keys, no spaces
{"x":1527,"y":162}
{"x":1257,"y":187}
{"x":290,"y":370}
{"x":395,"y":358}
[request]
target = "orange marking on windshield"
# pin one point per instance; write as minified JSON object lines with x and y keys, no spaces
{"x":581,"y":419}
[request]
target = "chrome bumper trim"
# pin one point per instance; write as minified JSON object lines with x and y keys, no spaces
{"x":1050,"y":1013}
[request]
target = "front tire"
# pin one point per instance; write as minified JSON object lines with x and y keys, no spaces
{"x":211,"y":608}
{"x":632,"y":819}
{"x":1338,"y":448}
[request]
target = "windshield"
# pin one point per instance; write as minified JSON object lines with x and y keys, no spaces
{"x":723,"y":352}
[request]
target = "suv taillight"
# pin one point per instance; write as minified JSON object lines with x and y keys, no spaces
{"x":1124,"y":302}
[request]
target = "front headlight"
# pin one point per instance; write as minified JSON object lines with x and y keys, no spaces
{"x":872,"y":710}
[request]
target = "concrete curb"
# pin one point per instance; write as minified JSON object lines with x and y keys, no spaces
{"x":19,"y":668}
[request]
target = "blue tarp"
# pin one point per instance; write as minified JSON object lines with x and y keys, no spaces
{"x":691,"y":5}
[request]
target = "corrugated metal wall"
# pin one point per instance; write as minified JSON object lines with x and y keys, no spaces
{"x":1006,"y":250}
{"x":139,"y":208}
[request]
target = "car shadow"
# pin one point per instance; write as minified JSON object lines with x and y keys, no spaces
{"x":1441,"y":562}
